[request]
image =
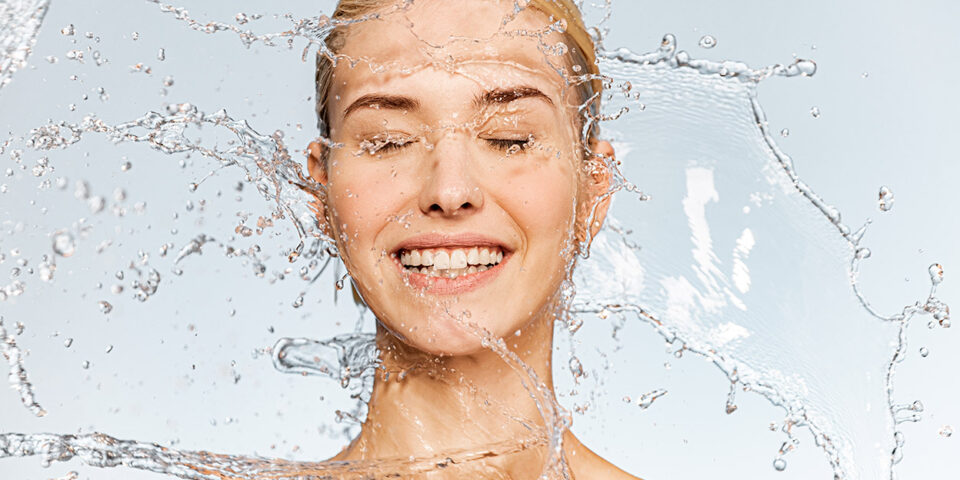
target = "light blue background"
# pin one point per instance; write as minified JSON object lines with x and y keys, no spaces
{"x":166,"y":382}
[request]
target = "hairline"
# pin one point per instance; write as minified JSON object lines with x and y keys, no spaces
{"x":335,"y":42}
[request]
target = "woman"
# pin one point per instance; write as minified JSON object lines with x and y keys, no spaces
{"x":461,"y":178}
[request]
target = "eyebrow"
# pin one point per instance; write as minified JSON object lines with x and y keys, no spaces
{"x":378,"y":100}
{"x":501,"y":96}
{"x":497,"y":96}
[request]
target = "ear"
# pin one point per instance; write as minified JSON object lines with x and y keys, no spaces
{"x":315,"y":163}
{"x":316,"y":166}
{"x":596,"y":200}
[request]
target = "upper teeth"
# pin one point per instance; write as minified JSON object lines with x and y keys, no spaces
{"x":447,"y":258}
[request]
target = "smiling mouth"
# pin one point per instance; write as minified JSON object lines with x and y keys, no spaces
{"x":449,"y":262}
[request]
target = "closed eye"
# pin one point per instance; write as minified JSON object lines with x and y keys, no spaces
{"x":513,"y":145}
{"x":386,"y":144}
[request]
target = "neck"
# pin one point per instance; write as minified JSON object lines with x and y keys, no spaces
{"x":425,"y":405}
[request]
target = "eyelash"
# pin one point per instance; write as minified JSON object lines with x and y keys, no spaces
{"x":385,"y":145}
{"x":503,"y":144}
{"x":506,"y":144}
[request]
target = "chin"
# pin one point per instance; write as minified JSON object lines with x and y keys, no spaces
{"x":444,"y":335}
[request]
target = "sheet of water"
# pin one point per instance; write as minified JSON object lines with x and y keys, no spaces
{"x":759,"y":286}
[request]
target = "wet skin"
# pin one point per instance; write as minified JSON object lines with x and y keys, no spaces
{"x":455,"y":147}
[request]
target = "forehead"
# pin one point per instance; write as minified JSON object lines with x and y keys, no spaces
{"x":482,"y":41}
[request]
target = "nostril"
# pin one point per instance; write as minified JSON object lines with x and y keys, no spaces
{"x":435,"y":208}
{"x":465,"y":206}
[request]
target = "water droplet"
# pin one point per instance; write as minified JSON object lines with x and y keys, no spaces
{"x":815,"y":112}
{"x":576,"y":368}
{"x":68,"y":30}
{"x":648,"y":398}
{"x":64,"y":244}
{"x":863,"y":253}
{"x":161,"y":55}
{"x":108,"y":349}
{"x":105,"y":306}
{"x":560,"y":49}
{"x":802,"y":67}
{"x":96,"y":204}
{"x":885,"y":201}
{"x":68,"y":342}
{"x":85,"y":364}
{"x":946,"y":431}
{"x":779,"y":464}
{"x":785,"y":132}
{"x":168,"y":81}
{"x":924,"y":352}
{"x":708,"y":41}
{"x":936,"y":273}
{"x":298,"y":302}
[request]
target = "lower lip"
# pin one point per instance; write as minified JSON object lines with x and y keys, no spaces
{"x":452,"y":286}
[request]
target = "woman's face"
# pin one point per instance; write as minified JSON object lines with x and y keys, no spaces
{"x":457,"y":189}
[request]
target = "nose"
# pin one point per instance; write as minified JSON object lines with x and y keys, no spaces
{"x":450,"y":188}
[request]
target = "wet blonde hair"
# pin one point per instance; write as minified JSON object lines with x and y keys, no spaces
{"x":579,"y":44}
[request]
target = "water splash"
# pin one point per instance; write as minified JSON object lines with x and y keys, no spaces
{"x":103,"y":451}
{"x":19,"y":23}
{"x":343,"y":358}
{"x":18,"y":375}
{"x":702,"y":312}
{"x":265,"y":161}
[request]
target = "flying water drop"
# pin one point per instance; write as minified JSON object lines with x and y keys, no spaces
{"x":708,"y":41}
{"x":105,"y":306}
{"x":576,"y":368}
{"x":885,"y":200}
{"x":936,"y":273}
{"x":648,"y":398}
{"x":64,"y":244}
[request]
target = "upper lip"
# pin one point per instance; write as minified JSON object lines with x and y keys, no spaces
{"x":441,"y":240}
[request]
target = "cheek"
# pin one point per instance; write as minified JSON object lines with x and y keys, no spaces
{"x":541,"y":201}
{"x":362,"y":200}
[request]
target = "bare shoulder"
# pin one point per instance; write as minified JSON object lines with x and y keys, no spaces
{"x":585,"y":464}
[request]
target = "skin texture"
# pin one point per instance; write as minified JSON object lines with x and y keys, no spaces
{"x":447,"y":109}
